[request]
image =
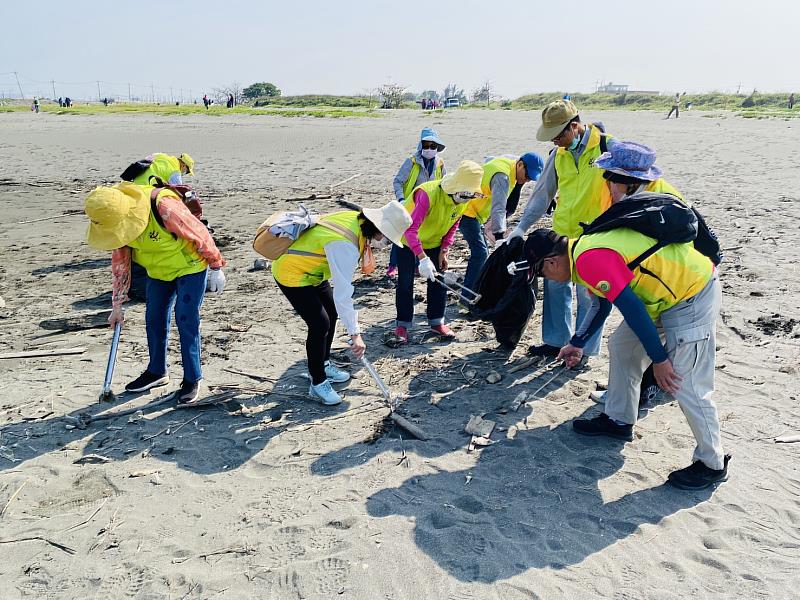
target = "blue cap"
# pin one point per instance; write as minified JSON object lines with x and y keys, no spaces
{"x":533,"y":165}
{"x":429,"y":135}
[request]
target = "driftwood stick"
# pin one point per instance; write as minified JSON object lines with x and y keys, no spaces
{"x":66,"y":549}
{"x":404,"y":423}
{"x":14,"y":495}
{"x":34,"y":353}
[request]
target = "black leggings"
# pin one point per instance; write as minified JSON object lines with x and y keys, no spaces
{"x":315,"y":306}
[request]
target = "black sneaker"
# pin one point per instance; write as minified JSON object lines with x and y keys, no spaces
{"x":145,"y":381}
{"x":188,"y":392}
{"x":544,"y":350}
{"x":698,"y":476}
{"x":603,"y":425}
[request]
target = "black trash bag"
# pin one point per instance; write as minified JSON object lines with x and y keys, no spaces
{"x":507,"y":301}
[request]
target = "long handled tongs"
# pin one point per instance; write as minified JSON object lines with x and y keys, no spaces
{"x":107,"y":395}
{"x":385,"y":391}
{"x":513,"y":267}
{"x":469,"y":296}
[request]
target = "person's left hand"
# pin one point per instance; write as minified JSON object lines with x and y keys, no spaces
{"x":570,"y":355}
{"x":666,"y":377}
{"x":216,"y":281}
{"x":443,"y":261}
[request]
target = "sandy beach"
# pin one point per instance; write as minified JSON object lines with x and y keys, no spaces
{"x":270,"y":495}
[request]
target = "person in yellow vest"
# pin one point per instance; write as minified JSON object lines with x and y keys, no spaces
{"x":424,"y":165}
{"x":503,"y":178}
{"x":673,"y":294}
{"x":169,"y":169}
{"x":153,"y":228}
{"x":332,"y":249}
{"x":582,"y":196}
{"x":435,"y":208}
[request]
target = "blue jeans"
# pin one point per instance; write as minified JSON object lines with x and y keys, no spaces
{"x":185,"y":295}
{"x":404,"y":300}
{"x":557,"y":315}
{"x":472,"y":230}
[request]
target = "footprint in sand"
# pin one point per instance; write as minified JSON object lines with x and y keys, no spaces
{"x":126,"y":581}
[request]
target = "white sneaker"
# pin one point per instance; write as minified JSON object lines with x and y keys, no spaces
{"x":598,"y":396}
{"x":335,"y":374}
{"x":325,"y":393}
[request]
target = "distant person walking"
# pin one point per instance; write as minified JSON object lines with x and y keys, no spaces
{"x":230,"y":101}
{"x":676,"y":105}
{"x":35,"y":107}
{"x":206,"y":101}
{"x":791,"y":101}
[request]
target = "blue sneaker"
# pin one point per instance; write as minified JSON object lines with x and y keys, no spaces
{"x":325,"y":393}
{"x":335,"y":374}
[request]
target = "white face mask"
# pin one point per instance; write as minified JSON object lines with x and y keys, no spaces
{"x":462,"y":197}
{"x":380,"y":244}
{"x":429,"y":153}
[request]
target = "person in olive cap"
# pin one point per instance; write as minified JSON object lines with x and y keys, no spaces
{"x":674,"y":294}
{"x":582,"y":195}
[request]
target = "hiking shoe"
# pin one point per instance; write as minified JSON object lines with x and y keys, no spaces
{"x":335,"y":374}
{"x":443,"y":331}
{"x":598,"y":396}
{"x":698,"y":476}
{"x":188,"y":392}
{"x":391,"y":271}
{"x":544,"y":350}
{"x":603,"y":425}
{"x":325,"y":393}
{"x":145,"y":381}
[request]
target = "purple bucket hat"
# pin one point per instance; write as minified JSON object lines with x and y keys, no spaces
{"x":630,"y":159}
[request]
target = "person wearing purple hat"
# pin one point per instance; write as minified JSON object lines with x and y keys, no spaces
{"x":673,"y":294}
{"x":630,"y":168}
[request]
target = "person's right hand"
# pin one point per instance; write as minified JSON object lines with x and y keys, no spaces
{"x":358,"y":347}
{"x":571,"y":355}
{"x":117,"y":316}
{"x":516,"y":232}
{"x":427,"y":269}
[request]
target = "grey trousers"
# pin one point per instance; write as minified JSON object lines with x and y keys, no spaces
{"x":688,"y":329}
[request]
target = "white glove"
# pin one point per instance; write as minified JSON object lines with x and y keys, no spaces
{"x":516,"y":232}
{"x":216,"y":281}
{"x":426,"y":269}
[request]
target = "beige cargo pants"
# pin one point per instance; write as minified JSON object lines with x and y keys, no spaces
{"x":688,"y":330}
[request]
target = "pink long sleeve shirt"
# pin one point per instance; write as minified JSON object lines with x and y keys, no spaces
{"x":422,"y":205}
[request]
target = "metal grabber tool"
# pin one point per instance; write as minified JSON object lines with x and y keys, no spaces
{"x":107,"y":395}
{"x":469,"y":296}
{"x":387,"y":393}
{"x":513,"y":267}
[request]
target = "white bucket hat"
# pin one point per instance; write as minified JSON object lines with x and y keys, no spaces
{"x":392,"y":220}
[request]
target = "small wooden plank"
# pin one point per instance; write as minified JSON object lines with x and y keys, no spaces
{"x":35,"y":353}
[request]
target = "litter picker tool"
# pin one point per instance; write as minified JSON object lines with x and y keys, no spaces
{"x":469,"y":296}
{"x":513,"y":267}
{"x":107,"y":395}
{"x":550,"y":380}
{"x":393,"y":403}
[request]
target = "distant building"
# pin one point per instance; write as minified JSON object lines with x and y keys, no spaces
{"x":614,"y":88}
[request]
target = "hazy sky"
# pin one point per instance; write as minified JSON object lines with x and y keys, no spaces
{"x":348,"y":47}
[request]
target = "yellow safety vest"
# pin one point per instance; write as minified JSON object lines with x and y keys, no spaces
{"x":411,"y":182}
{"x":673,"y":274}
{"x":582,"y":192}
{"x":481,"y":208}
{"x":163,"y":166}
{"x":305,"y":262}
{"x":164,"y":255}
{"x":661,"y":186}
{"x":442,"y":215}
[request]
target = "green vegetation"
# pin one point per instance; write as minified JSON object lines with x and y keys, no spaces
{"x":189,"y":109}
{"x":258,"y":90}
{"x":318,"y":100}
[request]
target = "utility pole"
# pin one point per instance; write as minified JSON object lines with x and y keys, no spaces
{"x":152,"y":94}
{"x":130,"y":98}
{"x":21,"y":95}
{"x":53,"y":81}
{"x":99,"y":97}
{"x":171,"y":99}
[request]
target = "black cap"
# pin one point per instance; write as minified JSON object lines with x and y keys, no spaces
{"x":541,"y":244}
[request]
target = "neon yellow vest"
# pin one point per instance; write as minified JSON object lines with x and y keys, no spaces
{"x":582,"y":192}
{"x":481,"y":208}
{"x":411,"y":182}
{"x":163,"y":255}
{"x":673,"y":274}
{"x":163,"y":166}
{"x":661,"y":186}
{"x":312,"y":268}
{"x":442,"y":215}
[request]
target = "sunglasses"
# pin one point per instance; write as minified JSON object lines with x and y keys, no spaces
{"x":563,"y":131}
{"x":429,"y":145}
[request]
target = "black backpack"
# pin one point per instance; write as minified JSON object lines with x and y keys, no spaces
{"x":662,"y":217}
